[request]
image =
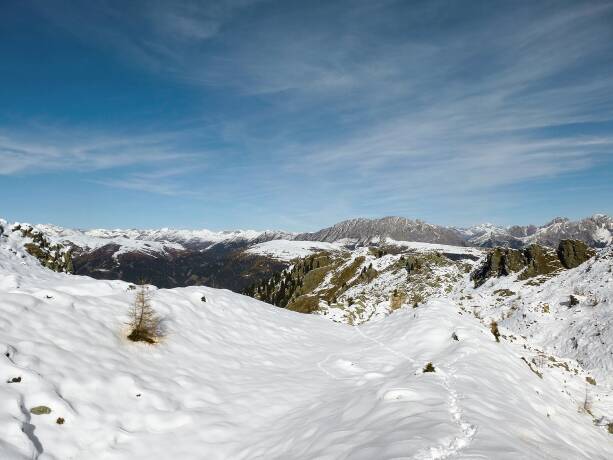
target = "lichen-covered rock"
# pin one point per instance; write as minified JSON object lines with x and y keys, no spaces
{"x":540,"y":261}
{"x":535,"y":260}
{"x":40,"y":410}
{"x":412,"y":263}
{"x":499,"y":262}
{"x":573,"y":253}
{"x":53,"y":256}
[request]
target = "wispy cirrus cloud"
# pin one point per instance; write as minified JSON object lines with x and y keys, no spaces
{"x":372,"y":104}
{"x":49,"y":151}
{"x":150,"y":162}
{"x":167,"y":181}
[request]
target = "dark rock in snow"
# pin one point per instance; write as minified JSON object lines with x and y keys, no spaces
{"x":40,"y":410}
{"x":573,"y":253}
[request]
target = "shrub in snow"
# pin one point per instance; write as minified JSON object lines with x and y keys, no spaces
{"x":429,"y":368}
{"x":60,"y":421}
{"x":40,"y":410}
{"x":495,"y":331}
{"x":573,"y":300}
{"x":203,"y":299}
{"x":586,"y":407}
{"x":144,"y":322}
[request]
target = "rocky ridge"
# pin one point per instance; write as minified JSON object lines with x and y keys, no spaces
{"x":51,"y":255}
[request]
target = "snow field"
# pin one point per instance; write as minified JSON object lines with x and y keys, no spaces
{"x":235,"y":378}
{"x":288,"y":250}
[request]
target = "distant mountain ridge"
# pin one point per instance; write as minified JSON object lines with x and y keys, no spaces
{"x":596,"y":231}
{"x":169,"y":258}
{"x":237,"y":259}
{"x":397,"y":228}
{"x":96,"y":238}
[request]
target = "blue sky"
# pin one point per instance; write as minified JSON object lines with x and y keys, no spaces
{"x":295,"y":115}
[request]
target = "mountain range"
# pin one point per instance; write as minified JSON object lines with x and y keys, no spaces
{"x":237,"y":259}
{"x":596,"y":230}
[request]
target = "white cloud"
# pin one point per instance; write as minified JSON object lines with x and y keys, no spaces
{"x":362,"y":101}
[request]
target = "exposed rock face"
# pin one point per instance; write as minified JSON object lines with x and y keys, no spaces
{"x":361,"y":283}
{"x":532,"y":261}
{"x":413,"y":263}
{"x":540,"y":260}
{"x":573,"y":253}
{"x":292,"y":288}
{"x":53,"y":256}
{"x":499,"y":262}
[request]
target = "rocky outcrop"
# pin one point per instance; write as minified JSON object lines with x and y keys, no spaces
{"x":540,"y":260}
{"x":532,"y":261}
{"x":357,"y":284}
{"x":292,"y":288}
{"x":573,"y":253}
{"x":499,"y":262}
{"x":53,"y":256}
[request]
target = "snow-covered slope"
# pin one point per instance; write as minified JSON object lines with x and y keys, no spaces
{"x":235,"y":378}
{"x":288,"y":250}
{"x":541,"y":309}
{"x":417,"y":246}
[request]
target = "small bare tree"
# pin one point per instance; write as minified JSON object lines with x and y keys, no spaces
{"x":586,"y":407}
{"x":144,"y":322}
